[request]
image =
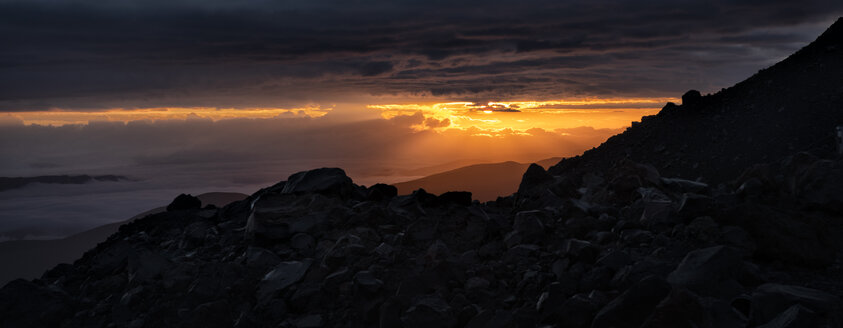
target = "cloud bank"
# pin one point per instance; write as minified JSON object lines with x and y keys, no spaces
{"x":87,"y":54}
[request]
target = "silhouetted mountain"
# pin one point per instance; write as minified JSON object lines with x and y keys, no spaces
{"x":30,"y":258}
{"x":485,"y":181}
{"x":597,"y":241}
{"x":790,"y":107}
{"x":20,"y":182}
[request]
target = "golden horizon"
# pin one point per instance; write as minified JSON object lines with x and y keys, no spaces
{"x":493,"y":116}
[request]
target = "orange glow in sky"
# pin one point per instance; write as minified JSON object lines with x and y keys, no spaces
{"x":525,"y":115}
{"x":482,"y":118}
{"x":65,"y":117}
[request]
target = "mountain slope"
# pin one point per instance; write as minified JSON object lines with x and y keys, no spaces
{"x":486,"y":182}
{"x":792,"y":106}
{"x":30,"y":258}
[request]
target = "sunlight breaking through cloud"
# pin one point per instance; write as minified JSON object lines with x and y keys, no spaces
{"x":521,"y":116}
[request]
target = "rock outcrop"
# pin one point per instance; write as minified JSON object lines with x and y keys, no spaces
{"x":332,"y":256}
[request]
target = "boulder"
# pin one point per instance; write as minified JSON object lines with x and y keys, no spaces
{"x":281,"y":277}
{"x":211,"y":314}
{"x":779,"y":236}
{"x":695,"y":205}
{"x":384,"y":250}
{"x":310,"y":321}
{"x":533,"y":177}
{"x":669,"y":108}
{"x":691,"y":98}
{"x":680,"y":309}
{"x":685,"y":186}
{"x":581,"y":250}
{"x":366,"y":281}
{"x":145,"y":266}
{"x":658,"y":208}
{"x":276,"y":217}
{"x":684,"y":309}
{"x":633,"y":306}
{"x":184,"y":202}
{"x":710,"y":271}
{"x":476,"y":283}
{"x":795,"y":316}
{"x":614,"y":260}
{"x":820,"y":185}
{"x":529,"y":225}
{"x":303,"y":242}
{"x":380,"y":191}
{"x":328,"y":181}
{"x":429,"y":311}
{"x":577,"y":312}
{"x":703,"y":229}
{"x":491,"y":319}
{"x":770,"y":300}
{"x":462,"y":198}
{"x":260,"y":258}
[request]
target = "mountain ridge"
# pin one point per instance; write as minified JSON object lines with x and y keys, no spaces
{"x":738,"y":126}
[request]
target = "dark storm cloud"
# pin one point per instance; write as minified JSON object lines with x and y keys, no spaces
{"x":132,"y":53}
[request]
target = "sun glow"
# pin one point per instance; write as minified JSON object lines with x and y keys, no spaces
{"x":488,"y":118}
{"x":520,"y":116}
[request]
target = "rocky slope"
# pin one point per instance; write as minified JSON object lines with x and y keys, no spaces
{"x":30,"y":258}
{"x":633,"y":250}
{"x":790,"y":107}
{"x":598,"y":241}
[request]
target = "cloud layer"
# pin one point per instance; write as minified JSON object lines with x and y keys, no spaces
{"x":88,"y":54}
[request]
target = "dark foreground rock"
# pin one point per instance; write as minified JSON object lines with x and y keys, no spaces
{"x":330,"y":254}
{"x":184,"y":202}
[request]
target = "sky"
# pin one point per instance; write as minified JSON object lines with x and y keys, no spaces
{"x":197,"y":96}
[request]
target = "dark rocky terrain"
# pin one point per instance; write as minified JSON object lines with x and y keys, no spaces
{"x":613,"y":238}
{"x":790,"y":107}
{"x":20,"y":182}
{"x":30,"y":258}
